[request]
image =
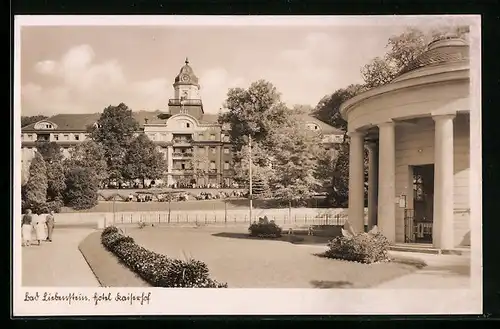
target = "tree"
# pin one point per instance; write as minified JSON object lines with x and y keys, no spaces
{"x":143,"y":160}
{"x":302,"y":109}
{"x":294,"y":164}
{"x":55,"y":182}
{"x":328,"y":108}
{"x":402,"y":50}
{"x":27,"y":120}
{"x":114,"y":132}
{"x":256,"y":111}
{"x":88,"y":154}
{"x":50,"y":151}
{"x":262,"y":169}
{"x":35,"y":191}
{"x":198,"y":164}
{"x":81,"y":188}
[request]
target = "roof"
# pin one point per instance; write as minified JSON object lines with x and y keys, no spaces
{"x":441,"y":51}
{"x":186,"y":70}
{"x":79,"y":122}
{"x":325,"y":127}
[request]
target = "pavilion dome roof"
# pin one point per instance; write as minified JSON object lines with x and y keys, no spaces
{"x":448,"y":49}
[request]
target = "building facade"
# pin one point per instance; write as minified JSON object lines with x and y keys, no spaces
{"x":417,"y":130}
{"x":191,"y":140}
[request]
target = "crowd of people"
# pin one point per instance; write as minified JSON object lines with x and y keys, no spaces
{"x":185,"y":196}
{"x":37,"y":227}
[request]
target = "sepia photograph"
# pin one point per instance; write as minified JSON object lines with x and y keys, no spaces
{"x":284,"y":164}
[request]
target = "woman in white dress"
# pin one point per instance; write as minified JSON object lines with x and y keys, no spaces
{"x":40,"y":225}
{"x":27,"y":227}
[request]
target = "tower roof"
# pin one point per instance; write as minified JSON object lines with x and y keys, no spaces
{"x":186,"y":75}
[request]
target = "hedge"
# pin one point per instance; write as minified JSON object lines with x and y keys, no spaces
{"x":157,"y":269}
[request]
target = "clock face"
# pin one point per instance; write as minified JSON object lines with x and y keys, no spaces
{"x":185,"y":78}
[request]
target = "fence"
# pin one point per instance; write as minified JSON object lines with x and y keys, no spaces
{"x":207,"y":219}
{"x":303,"y":216}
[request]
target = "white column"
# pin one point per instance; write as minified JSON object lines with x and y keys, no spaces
{"x":372,"y":183}
{"x":170,"y":164}
{"x":386,"y":214}
{"x":443,"y":233}
{"x":356,"y":181}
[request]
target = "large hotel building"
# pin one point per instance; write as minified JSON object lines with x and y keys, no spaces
{"x":184,"y":131}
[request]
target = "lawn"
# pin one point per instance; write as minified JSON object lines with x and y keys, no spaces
{"x":247,"y":263}
{"x":208,"y":205}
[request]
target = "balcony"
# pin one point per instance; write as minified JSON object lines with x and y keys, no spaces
{"x":186,"y":102}
{"x":181,"y":155}
{"x":182,"y":141}
{"x":182,"y":171}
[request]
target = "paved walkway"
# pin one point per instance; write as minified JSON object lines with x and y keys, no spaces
{"x":58,"y":263}
{"x":441,"y":272}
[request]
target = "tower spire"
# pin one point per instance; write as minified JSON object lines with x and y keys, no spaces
{"x":186,"y":61}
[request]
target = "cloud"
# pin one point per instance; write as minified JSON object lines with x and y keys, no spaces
{"x":81,"y":84}
{"x":215,"y":83}
{"x":322,"y":63}
{"x":45,"y":67}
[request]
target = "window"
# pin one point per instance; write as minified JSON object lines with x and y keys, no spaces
{"x":66,"y":137}
{"x":226,"y":139}
{"x":226,"y":150}
{"x":56,"y":137}
{"x":315,"y":127}
{"x":201,"y":150}
{"x":30,"y":136}
{"x":200,"y":137}
{"x":212,"y":149}
{"x":183,"y":166}
{"x":212,"y":137}
{"x":212,"y":165}
{"x":163,"y":137}
{"x":77,"y":137}
{"x":188,"y":125}
{"x":226,"y":165}
{"x":201,"y":165}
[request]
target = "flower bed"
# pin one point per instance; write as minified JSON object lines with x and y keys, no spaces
{"x":158,"y":270}
{"x":365,"y":248}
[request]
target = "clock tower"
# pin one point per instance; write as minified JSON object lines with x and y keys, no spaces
{"x":186,"y":93}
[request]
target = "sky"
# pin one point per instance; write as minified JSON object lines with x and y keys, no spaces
{"x":83,"y":69}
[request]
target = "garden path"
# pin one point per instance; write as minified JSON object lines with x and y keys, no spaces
{"x":58,"y":263}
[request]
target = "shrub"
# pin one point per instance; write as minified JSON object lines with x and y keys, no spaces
{"x":265,"y":229}
{"x":156,"y":269}
{"x":35,"y":190}
{"x":56,"y":180}
{"x":364,"y":248}
{"x":81,"y":188}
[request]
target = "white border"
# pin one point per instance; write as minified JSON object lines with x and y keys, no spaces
{"x":268,"y":301}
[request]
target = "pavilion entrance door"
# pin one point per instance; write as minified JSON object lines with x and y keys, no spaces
{"x":419,"y":220}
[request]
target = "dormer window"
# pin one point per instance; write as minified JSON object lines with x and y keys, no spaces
{"x":42,"y":125}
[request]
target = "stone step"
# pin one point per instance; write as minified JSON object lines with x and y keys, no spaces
{"x":430,"y":250}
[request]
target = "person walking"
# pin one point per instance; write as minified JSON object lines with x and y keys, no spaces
{"x":50,"y":225}
{"x":27,"y":228}
{"x":40,"y":225}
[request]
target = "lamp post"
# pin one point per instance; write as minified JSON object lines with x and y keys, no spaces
{"x":250,"y":175}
